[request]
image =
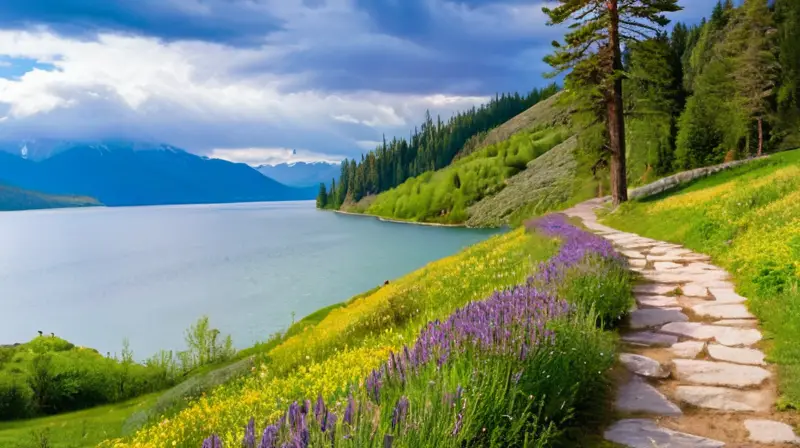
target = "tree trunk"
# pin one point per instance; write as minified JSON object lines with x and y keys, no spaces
{"x":760,"y":136}
{"x":616,"y":120}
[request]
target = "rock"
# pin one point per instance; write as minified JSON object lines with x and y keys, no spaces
{"x":722,"y":310}
{"x":725,"y":295}
{"x":688,"y":349}
{"x":666,"y":265}
{"x":724,"y":399}
{"x":632,"y":254}
{"x":719,"y":373}
{"x":736,"y":355}
{"x":650,"y":288}
{"x":637,"y":263}
{"x":768,"y":431}
{"x":658,"y":301}
{"x":730,"y":336}
{"x":650,"y":339}
{"x":654,"y":317}
{"x":694,"y":290}
{"x":644,"y":366}
{"x":751,"y":323}
{"x":644,"y":433}
{"x":638,"y":396}
{"x":664,"y":277}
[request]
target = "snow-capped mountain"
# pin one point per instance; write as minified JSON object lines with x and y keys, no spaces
{"x":302,"y":174}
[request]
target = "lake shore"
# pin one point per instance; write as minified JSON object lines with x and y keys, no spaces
{"x":400,"y":221}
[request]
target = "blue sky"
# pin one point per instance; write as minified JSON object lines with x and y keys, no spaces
{"x":250,"y":80}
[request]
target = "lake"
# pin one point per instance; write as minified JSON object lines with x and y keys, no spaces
{"x":97,"y":275}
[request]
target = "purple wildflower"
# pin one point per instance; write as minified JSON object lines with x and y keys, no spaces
{"x":349,"y":410}
{"x":212,"y":442}
{"x":269,"y":438}
{"x":400,"y":411}
{"x":459,"y":423}
{"x":319,"y":409}
{"x":249,"y":440}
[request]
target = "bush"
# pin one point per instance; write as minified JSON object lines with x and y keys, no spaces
{"x":16,"y":397}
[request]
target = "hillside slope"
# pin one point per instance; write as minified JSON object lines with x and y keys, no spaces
{"x":13,"y":198}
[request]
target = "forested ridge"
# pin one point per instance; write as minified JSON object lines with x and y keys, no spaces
{"x":430,"y":147}
{"x":726,"y":88}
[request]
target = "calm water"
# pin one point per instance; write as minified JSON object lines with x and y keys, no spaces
{"x":95,"y":276}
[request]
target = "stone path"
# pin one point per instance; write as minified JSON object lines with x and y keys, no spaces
{"x":694,"y":376}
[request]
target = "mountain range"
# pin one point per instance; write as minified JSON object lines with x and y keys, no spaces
{"x":125,"y":173}
{"x":302,"y":174}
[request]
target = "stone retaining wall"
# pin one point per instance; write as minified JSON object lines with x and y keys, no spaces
{"x":673,"y":181}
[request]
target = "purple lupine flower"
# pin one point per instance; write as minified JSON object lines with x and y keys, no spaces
{"x":349,"y":410}
{"x":249,"y":440}
{"x":400,"y":411}
{"x":212,"y":442}
{"x":269,"y":437}
{"x":319,"y":409}
{"x":459,"y":423}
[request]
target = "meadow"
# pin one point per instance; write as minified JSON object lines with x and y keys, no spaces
{"x":492,"y":346}
{"x":748,"y":220}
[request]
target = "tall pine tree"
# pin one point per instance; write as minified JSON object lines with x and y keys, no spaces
{"x":598,"y":30}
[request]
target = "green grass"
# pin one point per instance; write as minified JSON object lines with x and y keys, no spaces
{"x":444,"y":196}
{"x":748,"y":220}
{"x":73,"y":430}
{"x":12,"y":198}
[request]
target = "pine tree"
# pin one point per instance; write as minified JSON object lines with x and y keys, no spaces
{"x":322,"y":197}
{"x":598,"y":30}
{"x":756,"y":66}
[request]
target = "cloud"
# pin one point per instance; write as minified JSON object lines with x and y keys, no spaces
{"x":272,"y":156}
{"x":332,"y":76}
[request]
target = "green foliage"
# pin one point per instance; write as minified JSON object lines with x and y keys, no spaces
{"x":12,"y":198}
{"x":446,"y":195}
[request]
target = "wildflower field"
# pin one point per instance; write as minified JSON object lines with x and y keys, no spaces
{"x":491,"y":347}
{"x":748,"y":220}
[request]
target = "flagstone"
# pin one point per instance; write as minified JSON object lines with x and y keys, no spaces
{"x":712,"y":373}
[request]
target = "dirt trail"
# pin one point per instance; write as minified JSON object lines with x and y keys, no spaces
{"x":695,"y":376}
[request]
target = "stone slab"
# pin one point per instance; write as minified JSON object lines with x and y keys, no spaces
{"x":724,"y":399}
{"x":654,"y":317}
{"x":632,"y":254}
{"x":748,"y":323}
{"x":736,"y":355}
{"x":637,"y":263}
{"x":652,"y":288}
{"x":657,"y":301}
{"x":694,"y":290}
{"x":645,"y":433}
{"x":725,"y":295}
{"x":666,"y":265}
{"x":650,"y":339}
{"x":712,"y":373}
{"x":769,"y":431}
{"x":644,"y":366}
{"x":638,"y":396}
{"x":730,"y":336}
{"x":688,"y":349}
{"x":723,"y":310}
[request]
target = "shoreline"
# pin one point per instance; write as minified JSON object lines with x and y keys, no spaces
{"x":400,"y":221}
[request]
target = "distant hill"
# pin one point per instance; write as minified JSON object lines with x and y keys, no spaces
{"x":129,"y":173}
{"x":13,"y":198}
{"x":302,"y":174}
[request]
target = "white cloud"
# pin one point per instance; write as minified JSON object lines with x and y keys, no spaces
{"x":368,"y":145}
{"x":271,"y":156}
{"x":183,"y":92}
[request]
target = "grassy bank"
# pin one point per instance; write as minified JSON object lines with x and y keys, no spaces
{"x":75,"y":429}
{"x":748,"y":220}
{"x":336,"y":357}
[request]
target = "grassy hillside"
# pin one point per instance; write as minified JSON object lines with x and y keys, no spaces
{"x":334,"y":358}
{"x":444,"y":196}
{"x":13,"y":198}
{"x":748,"y":220}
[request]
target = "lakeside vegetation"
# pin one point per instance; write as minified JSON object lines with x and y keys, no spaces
{"x":13,"y":198}
{"x":748,"y":220}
